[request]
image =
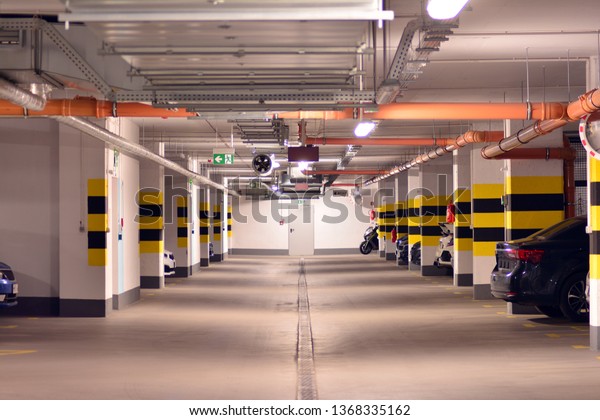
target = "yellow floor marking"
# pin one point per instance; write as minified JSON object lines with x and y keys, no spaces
{"x":458,"y":293}
{"x":488,"y":306}
{"x":553,"y":335}
{"x":151,"y":294}
{"x":436,"y":282}
{"x":577,"y":328}
{"x":529,"y":325}
{"x":501,"y":313}
{"x":15,"y":352}
{"x":511,"y":316}
{"x":580,"y":347}
{"x":8,"y":326}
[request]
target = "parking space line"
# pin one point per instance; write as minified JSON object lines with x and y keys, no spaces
{"x":16,"y":352}
{"x":579,"y":347}
{"x":8,"y":326}
{"x":529,"y":325}
{"x":501,"y":313}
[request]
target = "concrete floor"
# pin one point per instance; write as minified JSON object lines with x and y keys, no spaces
{"x":231,"y":331}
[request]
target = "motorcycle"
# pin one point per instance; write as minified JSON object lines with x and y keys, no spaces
{"x":371,"y":241}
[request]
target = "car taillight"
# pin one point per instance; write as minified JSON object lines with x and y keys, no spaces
{"x":533,"y":256}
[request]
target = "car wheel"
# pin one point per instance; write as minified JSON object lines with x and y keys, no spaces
{"x":551,"y":311}
{"x":365,"y":248}
{"x":573,"y":302}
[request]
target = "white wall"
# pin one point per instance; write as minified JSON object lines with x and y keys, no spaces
{"x":339,"y":224}
{"x":29,"y":225}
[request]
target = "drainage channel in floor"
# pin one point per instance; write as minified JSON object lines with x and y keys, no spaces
{"x":306,"y":388}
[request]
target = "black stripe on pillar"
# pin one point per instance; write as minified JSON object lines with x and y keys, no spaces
{"x":182,"y":232}
{"x":151,"y":234}
{"x":402,"y":213}
{"x":594,"y":193}
{"x":595,"y":242}
{"x":414,"y":212}
{"x":229,"y":215}
{"x":151,"y":210}
{"x":487,"y":205}
{"x":217,"y":229}
{"x":431,"y":231}
{"x":401,"y":229}
{"x":204,"y":215}
{"x":462,"y":207}
{"x":463,"y":232}
{"x":488,"y":234}
{"x":96,"y":205}
{"x":182,"y":211}
{"x":433,"y":210}
{"x":204,"y":230}
{"x":414,"y":230}
{"x":386,"y":228}
{"x":96,"y":240}
{"x":535,"y":202}
{"x":388,"y":214}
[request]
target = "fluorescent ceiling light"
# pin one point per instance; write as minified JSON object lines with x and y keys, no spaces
{"x":445,"y":9}
{"x":364,"y":128}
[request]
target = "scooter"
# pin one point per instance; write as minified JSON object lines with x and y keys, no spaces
{"x":371,"y":241}
{"x":402,"y":250}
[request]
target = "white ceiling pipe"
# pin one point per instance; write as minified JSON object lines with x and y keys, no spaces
{"x":21,"y":97}
{"x":136,"y":150}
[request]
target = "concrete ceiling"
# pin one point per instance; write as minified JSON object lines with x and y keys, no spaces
{"x":500,"y":51}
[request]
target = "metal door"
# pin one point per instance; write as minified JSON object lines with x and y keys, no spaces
{"x":301,"y":229}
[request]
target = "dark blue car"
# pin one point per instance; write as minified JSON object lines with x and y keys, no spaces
{"x":8,"y":286}
{"x":547,"y":269}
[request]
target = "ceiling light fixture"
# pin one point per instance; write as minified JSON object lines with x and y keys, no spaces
{"x":364,"y":128}
{"x":445,"y":9}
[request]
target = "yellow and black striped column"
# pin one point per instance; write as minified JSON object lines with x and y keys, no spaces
{"x":97,"y":221}
{"x":217,"y":223}
{"x":463,"y":238}
{"x":488,"y":228}
{"x":414,"y":226}
{"x":229,"y":224}
{"x":594,"y":222}
{"x":151,"y":224}
{"x":182,"y":222}
{"x":433,"y":212}
{"x":204,"y":233}
{"x":388,"y":223}
{"x":533,"y":203}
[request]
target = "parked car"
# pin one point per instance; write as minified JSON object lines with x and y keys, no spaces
{"x":169,"y":262}
{"x":444,"y":254}
{"x":415,"y":253}
{"x":8,"y":286}
{"x":402,"y":250}
{"x":547,"y":269}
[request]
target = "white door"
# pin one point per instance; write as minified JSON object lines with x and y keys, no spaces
{"x":301,"y":229}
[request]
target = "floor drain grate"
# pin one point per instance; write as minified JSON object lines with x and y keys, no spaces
{"x":306,"y":388}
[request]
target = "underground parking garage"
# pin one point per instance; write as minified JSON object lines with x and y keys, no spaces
{"x":187,"y":211}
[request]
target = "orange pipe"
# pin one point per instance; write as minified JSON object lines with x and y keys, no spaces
{"x":90,"y":107}
{"x":345,"y":172}
{"x":567,"y":154}
{"x":587,"y":103}
{"x":446,"y":111}
{"x":476,"y":137}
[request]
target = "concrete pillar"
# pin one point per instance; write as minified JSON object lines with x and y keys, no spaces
{"x":463,"y":234}
{"x":386,"y":217}
{"x":178,"y":228}
{"x":218,"y":200}
{"x":593,"y":207}
{"x":487,"y":189}
{"x":151,"y":222}
{"x":204,"y":225}
{"x":413,"y":202}
{"x":85,"y":288}
{"x":436,"y":187}
{"x":534,"y":194}
{"x":401,"y":192}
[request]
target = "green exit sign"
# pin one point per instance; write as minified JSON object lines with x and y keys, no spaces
{"x":223,"y":158}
